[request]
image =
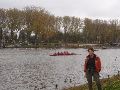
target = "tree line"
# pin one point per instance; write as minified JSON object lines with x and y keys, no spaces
{"x":35,"y":25}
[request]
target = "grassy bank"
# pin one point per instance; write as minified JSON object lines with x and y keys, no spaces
{"x":110,"y":83}
{"x":61,"y":45}
{"x":54,"y":45}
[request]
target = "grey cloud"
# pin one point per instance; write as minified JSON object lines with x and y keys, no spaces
{"x":80,"y":8}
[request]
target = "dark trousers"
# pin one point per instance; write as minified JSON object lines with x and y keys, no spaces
{"x":95,"y":75}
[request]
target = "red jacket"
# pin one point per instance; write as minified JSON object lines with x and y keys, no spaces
{"x":97,"y":64}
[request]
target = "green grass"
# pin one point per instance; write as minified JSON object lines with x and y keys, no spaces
{"x":112,"y":83}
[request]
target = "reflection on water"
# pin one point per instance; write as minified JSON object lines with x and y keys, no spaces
{"x":34,"y":69}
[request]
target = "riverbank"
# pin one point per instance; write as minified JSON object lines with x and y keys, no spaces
{"x":62,"y":45}
{"x":110,"y":83}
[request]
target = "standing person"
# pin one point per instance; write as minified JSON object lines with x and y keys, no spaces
{"x":92,"y":67}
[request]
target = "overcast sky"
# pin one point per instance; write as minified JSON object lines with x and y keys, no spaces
{"x":106,"y":9}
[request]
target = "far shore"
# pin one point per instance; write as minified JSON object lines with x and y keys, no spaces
{"x":66,"y":45}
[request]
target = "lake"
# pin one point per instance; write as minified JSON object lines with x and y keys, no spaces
{"x":34,"y":69}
